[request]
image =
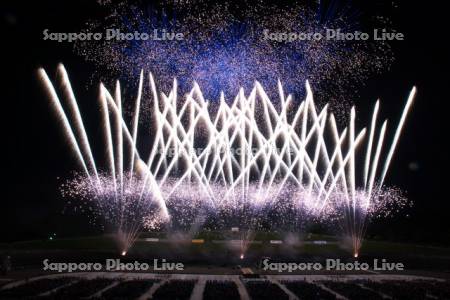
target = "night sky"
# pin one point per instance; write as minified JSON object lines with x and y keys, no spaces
{"x":36,"y":155}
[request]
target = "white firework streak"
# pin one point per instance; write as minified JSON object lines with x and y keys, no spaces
{"x":250,"y":150}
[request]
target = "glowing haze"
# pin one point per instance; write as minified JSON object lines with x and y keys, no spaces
{"x":226,"y":156}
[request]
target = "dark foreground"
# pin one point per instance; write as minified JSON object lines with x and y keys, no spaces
{"x":188,"y":286}
{"x":214,"y":269}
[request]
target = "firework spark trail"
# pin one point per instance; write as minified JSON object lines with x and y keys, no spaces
{"x":137,"y":109}
{"x":369,"y":144}
{"x":119,"y":134}
{"x":79,"y":125}
{"x":377,"y":157}
{"x":289,"y":152}
{"x":107,"y":128}
{"x":397,"y":133}
{"x":56,"y":103}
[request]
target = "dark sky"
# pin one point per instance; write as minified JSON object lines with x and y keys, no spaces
{"x":36,"y":156}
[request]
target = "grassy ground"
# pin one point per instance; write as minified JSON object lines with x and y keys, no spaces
{"x":108,"y":243}
{"x":220,"y":253}
{"x":374,"y":247}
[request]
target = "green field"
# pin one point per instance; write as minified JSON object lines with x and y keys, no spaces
{"x":220,"y":241}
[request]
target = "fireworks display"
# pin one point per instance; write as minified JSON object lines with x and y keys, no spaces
{"x":229,"y":45}
{"x":245,"y":161}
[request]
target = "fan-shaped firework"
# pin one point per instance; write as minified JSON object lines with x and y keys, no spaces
{"x":247,"y":157}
